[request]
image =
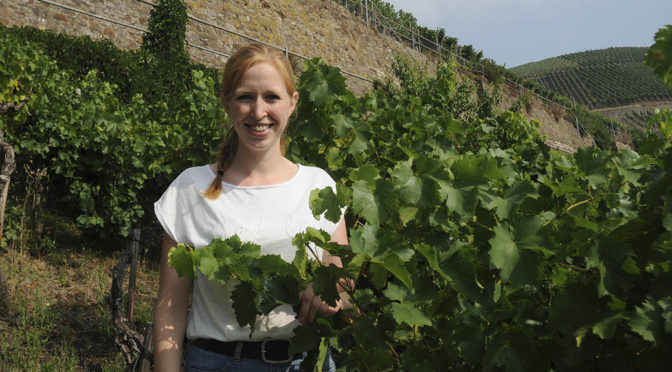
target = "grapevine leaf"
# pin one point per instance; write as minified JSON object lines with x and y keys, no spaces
{"x":180,"y":258}
{"x":659,"y":55}
{"x":608,"y":257}
{"x":514,"y":196}
{"x":430,"y":254}
{"x":364,"y":202}
{"x":324,"y":83}
{"x":396,"y":266}
{"x":606,"y":327}
{"x":300,"y":261}
{"x":273,"y":264}
{"x":363,"y":240}
{"x":386,"y":198}
{"x":367,"y":172}
{"x":325,"y":200}
{"x":409,"y":314}
{"x":364,"y":298}
{"x":667,"y":213}
{"x":460,"y":267}
{"x":378,"y":275}
{"x":409,"y":186}
{"x":644,"y":321}
{"x":594,"y":163}
{"x":360,"y":141}
{"x":396,"y":292}
{"x":244,"y":303}
{"x":342,"y":125}
{"x":407,"y":214}
{"x":284,"y":289}
{"x":306,"y":337}
{"x":504,"y":254}
{"x":473,"y":170}
{"x":325,"y":283}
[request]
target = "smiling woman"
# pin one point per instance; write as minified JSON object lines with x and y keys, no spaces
{"x":254,"y":192}
{"x":259,"y":110}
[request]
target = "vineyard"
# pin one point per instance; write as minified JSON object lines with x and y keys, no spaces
{"x":473,"y":246}
{"x":599,"y":78}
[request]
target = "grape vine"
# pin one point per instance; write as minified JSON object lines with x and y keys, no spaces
{"x":471,"y":244}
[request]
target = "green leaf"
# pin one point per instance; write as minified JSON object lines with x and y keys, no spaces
{"x":504,"y":253}
{"x":324,"y":83}
{"x":514,"y":196}
{"x":594,"y":163}
{"x":473,"y":170}
{"x":659,"y":55}
{"x":285,"y":289}
{"x":409,"y":186}
{"x":409,"y":314}
{"x":367,"y":172}
{"x":325,"y":283}
{"x":325,"y":200}
{"x":181,"y":259}
{"x":644,"y":321}
{"x":363,"y":240}
{"x":244,"y":303}
{"x":431,"y":255}
{"x":306,"y":337}
{"x":396,"y":266}
{"x":342,"y":125}
{"x":374,"y":207}
{"x":606,"y":327}
{"x":407,"y":214}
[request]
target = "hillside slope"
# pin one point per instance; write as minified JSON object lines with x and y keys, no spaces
{"x":613,"y":81}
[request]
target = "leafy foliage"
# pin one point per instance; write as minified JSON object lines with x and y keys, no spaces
{"x":473,"y":246}
{"x":106,"y":159}
{"x":659,"y":55}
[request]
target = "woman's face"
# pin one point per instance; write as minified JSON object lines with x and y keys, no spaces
{"x":260,"y":107}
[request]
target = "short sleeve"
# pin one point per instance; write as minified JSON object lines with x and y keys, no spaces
{"x":176,"y":208}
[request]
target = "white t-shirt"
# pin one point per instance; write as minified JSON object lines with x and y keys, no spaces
{"x":266,"y":215}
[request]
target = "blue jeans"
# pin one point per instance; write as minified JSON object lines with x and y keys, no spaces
{"x":199,"y":360}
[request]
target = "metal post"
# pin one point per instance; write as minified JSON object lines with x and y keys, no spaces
{"x":134,"y":273}
{"x":366,"y":11}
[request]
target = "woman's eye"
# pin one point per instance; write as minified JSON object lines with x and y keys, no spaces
{"x":272,"y":97}
{"x":244,"y":97}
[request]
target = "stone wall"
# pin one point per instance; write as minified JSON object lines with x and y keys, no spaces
{"x":305,"y":28}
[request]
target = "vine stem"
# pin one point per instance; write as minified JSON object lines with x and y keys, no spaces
{"x":578,"y":204}
{"x":314,"y":254}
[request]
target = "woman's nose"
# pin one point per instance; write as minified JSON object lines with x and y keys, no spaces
{"x":259,"y":109}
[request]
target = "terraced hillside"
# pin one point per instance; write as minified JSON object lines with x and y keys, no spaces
{"x":614,"y":81}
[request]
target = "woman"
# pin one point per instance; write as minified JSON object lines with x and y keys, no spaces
{"x":252,"y":191}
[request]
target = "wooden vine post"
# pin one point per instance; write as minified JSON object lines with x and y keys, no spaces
{"x":6,"y":171}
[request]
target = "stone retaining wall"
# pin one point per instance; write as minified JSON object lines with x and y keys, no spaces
{"x":309,"y":28}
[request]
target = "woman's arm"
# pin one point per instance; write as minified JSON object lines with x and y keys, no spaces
{"x":310,"y":303}
{"x":170,"y":314}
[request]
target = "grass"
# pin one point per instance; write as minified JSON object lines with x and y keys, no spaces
{"x":57,"y":316}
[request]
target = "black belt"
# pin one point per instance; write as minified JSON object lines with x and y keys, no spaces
{"x":270,"y":351}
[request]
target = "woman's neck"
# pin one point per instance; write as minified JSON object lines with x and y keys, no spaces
{"x":259,"y":169}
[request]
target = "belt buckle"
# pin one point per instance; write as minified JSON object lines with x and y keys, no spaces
{"x":263,"y":353}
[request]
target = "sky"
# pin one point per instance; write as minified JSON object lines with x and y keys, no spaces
{"x":515,"y":32}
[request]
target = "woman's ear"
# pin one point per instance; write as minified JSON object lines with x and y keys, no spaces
{"x":293,"y":100}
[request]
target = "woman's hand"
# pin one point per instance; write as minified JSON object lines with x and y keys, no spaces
{"x":312,"y":304}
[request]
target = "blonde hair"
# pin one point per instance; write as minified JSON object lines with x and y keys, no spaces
{"x":236,"y":67}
